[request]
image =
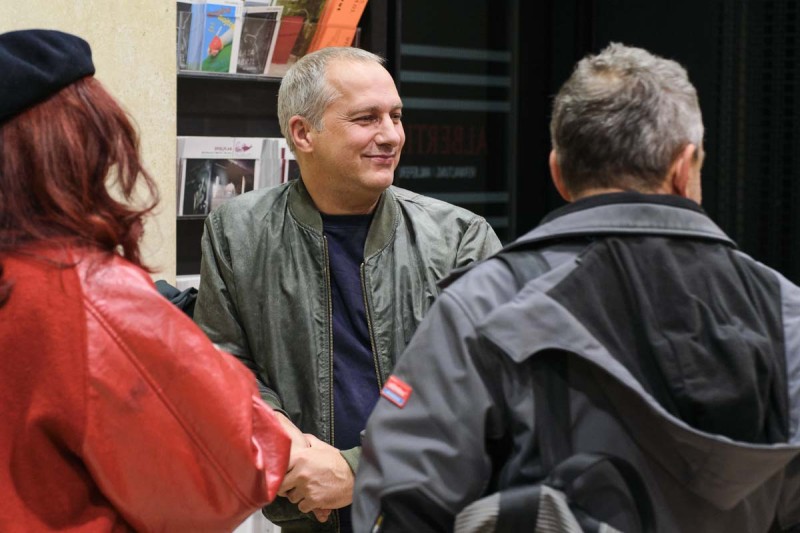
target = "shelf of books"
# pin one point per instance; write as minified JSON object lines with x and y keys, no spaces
{"x":214,"y":170}
{"x":260,"y":37}
{"x":224,"y":76}
{"x":230,"y":36}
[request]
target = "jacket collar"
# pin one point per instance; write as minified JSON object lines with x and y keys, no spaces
{"x":627,"y":213}
{"x":381,"y":231}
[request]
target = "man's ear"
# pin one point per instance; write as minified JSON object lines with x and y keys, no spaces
{"x":682,"y":172}
{"x":302,"y":134}
{"x":555,"y":174}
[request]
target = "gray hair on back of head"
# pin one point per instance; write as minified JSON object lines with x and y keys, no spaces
{"x":621,"y":119}
{"x":305,"y":90}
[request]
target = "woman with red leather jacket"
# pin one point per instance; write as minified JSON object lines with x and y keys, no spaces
{"x":117,"y":412}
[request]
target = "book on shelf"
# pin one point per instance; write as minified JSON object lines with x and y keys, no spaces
{"x":257,"y":38}
{"x":279,"y":162}
{"x":298,"y":24}
{"x":212,"y":43}
{"x":338,"y":24}
{"x":183,"y":28}
{"x":213,"y":170}
{"x":189,"y":33}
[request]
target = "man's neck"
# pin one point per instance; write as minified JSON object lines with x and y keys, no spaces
{"x":332,"y":203}
{"x":346,"y":208}
{"x":585,"y":193}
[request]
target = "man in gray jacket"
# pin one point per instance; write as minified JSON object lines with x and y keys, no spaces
{"x":317,"y":285}
{"x":675,"y":352}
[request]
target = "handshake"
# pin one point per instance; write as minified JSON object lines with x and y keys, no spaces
{"x":318,"y":478}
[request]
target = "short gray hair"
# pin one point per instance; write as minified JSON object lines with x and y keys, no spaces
{"x":621,"y":119}
{"x":305,"y":90}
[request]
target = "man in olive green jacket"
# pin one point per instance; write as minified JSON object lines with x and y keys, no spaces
{"x":317,"y":285}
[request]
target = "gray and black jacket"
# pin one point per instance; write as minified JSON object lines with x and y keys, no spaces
{"x":265,"y":294}
{"x":682,"y":354}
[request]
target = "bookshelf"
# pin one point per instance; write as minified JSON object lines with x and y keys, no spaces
{"x":241,"y":105}
{"x":223,"y":105}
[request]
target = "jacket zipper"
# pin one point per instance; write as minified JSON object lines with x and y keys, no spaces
{"x":330,"y":333}
{"x":369,"y":327}
{"x":330,"y":350}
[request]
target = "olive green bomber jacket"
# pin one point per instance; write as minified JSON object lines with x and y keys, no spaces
{"x":264,"y":293}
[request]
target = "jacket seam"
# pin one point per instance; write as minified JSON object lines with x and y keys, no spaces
{"x":302,"y":224}
{"x":389,"y":490}
{"x":395,"y":225}
{"x":368,"y":312}
{"x":216,"y":230}
{"x":654,"y":229}
{"x":85,"y":358}
{"x":473,"y":222}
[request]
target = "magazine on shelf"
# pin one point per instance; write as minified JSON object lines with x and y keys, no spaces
{"x":213,"y":45}
{"x":183,"y":29}
{"x":212,"y":170}
{"x":190,"y":16}
{"x":280,"y":164}
{"x":289,"y":169}
{"x":257,"y":37}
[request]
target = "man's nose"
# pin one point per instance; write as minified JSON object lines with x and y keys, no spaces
{"x":389,"y":132}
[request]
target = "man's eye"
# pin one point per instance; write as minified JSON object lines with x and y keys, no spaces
{"x":397,"y":118}
{"x":366,"y":118}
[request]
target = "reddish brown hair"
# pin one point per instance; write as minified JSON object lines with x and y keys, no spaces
{"x":59,"y":161}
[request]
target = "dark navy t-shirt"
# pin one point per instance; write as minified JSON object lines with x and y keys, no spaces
{"x":355,"y":382}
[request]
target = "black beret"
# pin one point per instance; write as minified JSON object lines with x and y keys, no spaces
{"x":36,"y":64}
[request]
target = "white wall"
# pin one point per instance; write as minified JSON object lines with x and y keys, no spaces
{"x":133,"y":46}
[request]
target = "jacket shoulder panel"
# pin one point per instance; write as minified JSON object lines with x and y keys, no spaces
{"x":433,"y":206}
{"x":247,"y":211}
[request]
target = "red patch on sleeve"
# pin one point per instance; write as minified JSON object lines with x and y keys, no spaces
{"x":396,"y":391}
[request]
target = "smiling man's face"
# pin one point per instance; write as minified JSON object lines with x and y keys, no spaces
{"x":359,"y":145}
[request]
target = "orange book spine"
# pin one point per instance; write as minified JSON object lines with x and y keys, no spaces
{"x":323,"y":20}
{"x":338,"y":24}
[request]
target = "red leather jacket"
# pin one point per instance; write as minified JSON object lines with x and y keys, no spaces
{"x":117,"y":411}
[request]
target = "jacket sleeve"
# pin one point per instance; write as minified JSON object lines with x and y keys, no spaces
{"x":353,"y":457}
{"x":176,"y":436}
{"x":424,"y":461}
{"x":215,"y":309}
{"x":478,"y":242}
{"x":788,"y":515}
{"x":788,"y":512}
